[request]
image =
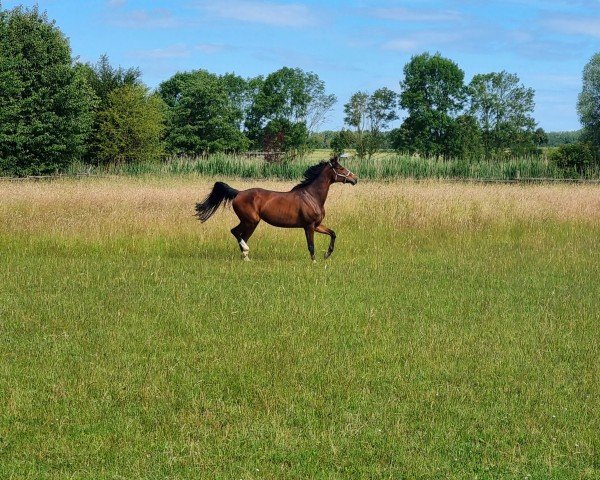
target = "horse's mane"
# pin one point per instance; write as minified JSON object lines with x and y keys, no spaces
{"x":311,"y":174}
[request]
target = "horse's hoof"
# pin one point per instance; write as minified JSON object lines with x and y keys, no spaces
{"x":245,"y":258}
{"x":327,"y":255}
{"x":314,"y":261}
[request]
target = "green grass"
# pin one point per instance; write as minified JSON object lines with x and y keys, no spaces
{"x":382,"y":166}
{"x":453,"y":334}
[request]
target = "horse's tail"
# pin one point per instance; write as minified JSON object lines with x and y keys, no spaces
{"x":221,"y":192}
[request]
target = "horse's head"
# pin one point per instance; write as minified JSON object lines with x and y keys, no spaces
{"x":340,"y":173}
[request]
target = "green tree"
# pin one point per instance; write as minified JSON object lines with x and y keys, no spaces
{"x":433,"y":93}
{"x":356,"y":111}
{"x":131,"y":127}
{"x":45,"y":102}
{"x":381,"y":110}
{"x":588,"y":105}
{"x":503,"y":107}
{"x":205,"y":113}
{"x":341,"y":141}
{"x":540,"y":137}
{"x":288,"y":96}
{"x":370,"y":115}
{"x":464,"y":139}
{"x":561,"y":138}
{"x":104,"y":79}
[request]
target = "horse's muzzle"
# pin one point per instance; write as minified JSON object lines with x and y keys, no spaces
{"x":353,"y":181}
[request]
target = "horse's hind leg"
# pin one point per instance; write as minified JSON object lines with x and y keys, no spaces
{"x":242,"y":233}
{"x":237,"y":232}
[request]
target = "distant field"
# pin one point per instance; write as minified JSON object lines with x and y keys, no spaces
{"x":453,"y":334}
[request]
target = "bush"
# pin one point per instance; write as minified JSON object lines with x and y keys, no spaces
{"x":574,"y":157}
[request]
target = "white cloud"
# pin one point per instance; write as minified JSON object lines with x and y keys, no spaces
{"x":210,"y":48}
{"x":268,"y":13}
{"x":417,"y":41}
{"x":415,"y":15}
{"x":157,"y":18}
{"x":586,"y":26}
{"x":174,"y":51}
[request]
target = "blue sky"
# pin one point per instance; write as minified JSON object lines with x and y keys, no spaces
{"x":351,"y":45}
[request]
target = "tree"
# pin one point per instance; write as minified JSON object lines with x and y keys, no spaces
{"x":588,"y":105}
{"x":45,"y":103}
{"x":131,"y":126}
{"x":503,"y":107}
{"x":433,"y":93}
{"x":341,"y":141}
{"x":370,"y":115}
{"x":204,"y":114}
{"x":288,"y":96}
{"x":560,"y":138}
{"x":464,"y":138}
{"x":357,"y":117}
{"x":104,"y":79}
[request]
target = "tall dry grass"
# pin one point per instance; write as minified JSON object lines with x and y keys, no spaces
{"x":96,"y":208}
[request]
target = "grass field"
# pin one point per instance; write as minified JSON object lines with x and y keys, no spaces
{"x":454,"y":334}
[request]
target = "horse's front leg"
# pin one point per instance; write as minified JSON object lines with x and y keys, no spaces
{"x":310,"y":240}
{"x":327,"y":231}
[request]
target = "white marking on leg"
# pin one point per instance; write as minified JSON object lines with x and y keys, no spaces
{"x":245,"y":248}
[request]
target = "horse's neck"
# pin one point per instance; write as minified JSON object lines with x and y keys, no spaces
{"x":319,"y":189}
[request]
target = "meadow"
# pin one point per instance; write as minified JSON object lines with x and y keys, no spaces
{"x":453,"y":334}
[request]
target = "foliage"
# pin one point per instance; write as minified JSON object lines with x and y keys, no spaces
{"x":370,"y":115}
{"x":503,"y":110}
{"x":341,"y":141}
{"x":45,"y":103}
{"x":104,"y":79}
{"x":560,"y":138}
{"x":576,"y":157}
{"x":433,"y":93}
{"x":131,"y":127}
{"x":540,"y":137}
{"x":205,"y":113}
{"x":289,"y":97}
{"x":464,"y":138}
{"x":588,"y":105}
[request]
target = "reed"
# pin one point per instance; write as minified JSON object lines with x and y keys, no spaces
{"x":384,"y":166}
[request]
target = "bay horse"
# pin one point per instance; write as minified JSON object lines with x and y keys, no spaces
{"x":302,"y":207}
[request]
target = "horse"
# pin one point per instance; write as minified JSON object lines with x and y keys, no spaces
{"x":302,"y":207}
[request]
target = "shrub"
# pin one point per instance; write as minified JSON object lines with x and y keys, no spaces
{"x":575,"y":157}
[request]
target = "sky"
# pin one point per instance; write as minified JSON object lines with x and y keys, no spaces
{"x":351,"y":45}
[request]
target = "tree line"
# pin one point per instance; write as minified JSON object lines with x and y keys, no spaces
{"x":55,"y":110}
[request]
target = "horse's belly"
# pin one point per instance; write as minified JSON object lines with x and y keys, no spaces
{"x":279,"y":220}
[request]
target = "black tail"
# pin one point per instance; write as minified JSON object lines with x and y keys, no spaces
{"x":221,"y":192}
